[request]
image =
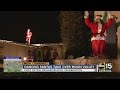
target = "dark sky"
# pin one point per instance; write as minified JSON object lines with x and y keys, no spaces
{"x":43,"y":24}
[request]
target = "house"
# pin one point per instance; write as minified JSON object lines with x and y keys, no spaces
{"x":11,"y":48}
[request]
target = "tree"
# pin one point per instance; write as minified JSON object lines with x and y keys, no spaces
{"x":73,"y":33}
{"x":87,"y":35}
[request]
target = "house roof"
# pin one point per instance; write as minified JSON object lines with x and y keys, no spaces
{"x":32,"y":45}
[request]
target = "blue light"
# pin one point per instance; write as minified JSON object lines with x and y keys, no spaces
{"x":12,"y":57}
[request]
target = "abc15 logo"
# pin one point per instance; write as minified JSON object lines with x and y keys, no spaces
{"x":105,"y":66}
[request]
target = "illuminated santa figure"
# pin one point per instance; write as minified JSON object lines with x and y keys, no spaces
{"x":28,"y":36}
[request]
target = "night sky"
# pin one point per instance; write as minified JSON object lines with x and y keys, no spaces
{"x":43,"y":24}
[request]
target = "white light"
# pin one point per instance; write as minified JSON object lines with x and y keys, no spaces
{"x":25,"y":58}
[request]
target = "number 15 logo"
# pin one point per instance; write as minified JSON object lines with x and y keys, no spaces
{"x":108,"y":66}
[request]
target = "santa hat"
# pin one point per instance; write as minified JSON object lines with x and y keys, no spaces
{"x":98,"y":17}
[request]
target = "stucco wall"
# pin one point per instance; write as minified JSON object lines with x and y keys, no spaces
{"x":8,"y":49}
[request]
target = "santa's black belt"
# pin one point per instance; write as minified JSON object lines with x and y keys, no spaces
{"x":95,"y":33}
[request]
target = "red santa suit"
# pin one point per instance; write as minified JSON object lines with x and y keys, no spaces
{"x":98,"y":38}
{"x":28,"y":36}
